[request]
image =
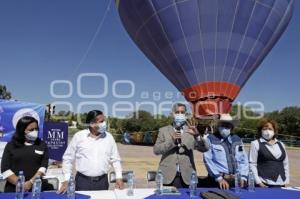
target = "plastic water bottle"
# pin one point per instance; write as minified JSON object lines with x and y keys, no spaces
{"x":22,"y":177}
{"x":20,"y":186}
{"x":36,"y":189}
{"x":130,"y":183}
{"x":193,"y":184}
{"x":159,"y":182}
{"x":71,"y":188}
{"x":251,"y":181}
{"x":237,"y":182}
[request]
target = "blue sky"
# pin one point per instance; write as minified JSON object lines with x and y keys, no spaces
{"x":42,"y":41}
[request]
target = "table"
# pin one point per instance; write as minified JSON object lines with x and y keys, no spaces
{"x":138,"y":193}
{"x":44,"y":195}
{"x":110,"y":194}
{"x":274,"y":193}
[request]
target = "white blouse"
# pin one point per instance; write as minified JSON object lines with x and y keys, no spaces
{"x":276,"y":152}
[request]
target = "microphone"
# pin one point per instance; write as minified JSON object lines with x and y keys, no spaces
{"x":178,"y":140}
{"x":178,"y":128}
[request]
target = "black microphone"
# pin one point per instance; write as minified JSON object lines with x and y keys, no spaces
{"x":178,"y":140}
{"x":178,"y":129}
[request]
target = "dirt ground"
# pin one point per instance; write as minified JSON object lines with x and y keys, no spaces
{"x":141,"y":159}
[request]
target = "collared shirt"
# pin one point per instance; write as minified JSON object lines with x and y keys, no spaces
{"x":219,"y":159}
{"x":276,"y":152}
{"x":93,"y":156}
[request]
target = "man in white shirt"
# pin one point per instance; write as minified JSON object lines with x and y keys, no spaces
{"x":94,"y":150}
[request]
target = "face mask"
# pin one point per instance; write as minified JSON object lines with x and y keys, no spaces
{"x":224,"y":132}
{"x":179,"y":119}
{"x":267,"y":134}
{"x":31,"y":136}
{"x":101,"y":128}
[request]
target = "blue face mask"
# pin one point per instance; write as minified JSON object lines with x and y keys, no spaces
{"x":179,"y":119}
{"x":102,"y":129}
{"x":224,"y":131}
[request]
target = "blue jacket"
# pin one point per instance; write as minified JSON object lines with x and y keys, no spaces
{"x":226,"y":157}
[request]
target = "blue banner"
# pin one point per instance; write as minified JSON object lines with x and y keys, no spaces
{"x":10,"y":113}
{"x":56,"y":137}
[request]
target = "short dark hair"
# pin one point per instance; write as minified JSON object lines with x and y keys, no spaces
{"x":19,"y":137}
{"x":263,"y":122}
{"x":91,"y":116}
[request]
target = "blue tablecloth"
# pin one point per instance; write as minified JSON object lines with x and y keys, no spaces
{"x":260,"y":193}
{"x":44,"y":195}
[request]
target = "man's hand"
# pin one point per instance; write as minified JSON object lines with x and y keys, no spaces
{"x":223,"y":184}
{"x":119,"y":184}
{"x":64,"y":187}
{"x":192,"y":127}
{"x":262,"y":185}
{"x":176,"y":135}
{"x":27,"y":186}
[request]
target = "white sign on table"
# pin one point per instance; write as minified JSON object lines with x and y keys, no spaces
{"x":110,"y":194}
{"x":138,"y":193}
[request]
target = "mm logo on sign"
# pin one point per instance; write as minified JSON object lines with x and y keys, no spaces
{"x":55,"y":135}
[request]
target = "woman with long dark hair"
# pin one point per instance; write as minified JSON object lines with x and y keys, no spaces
{"x":27,"y":153}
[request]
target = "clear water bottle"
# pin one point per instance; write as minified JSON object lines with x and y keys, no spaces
{"x":159,"y":182}
{"x":251,"y":181}
{"x":193,"y":184}
{"x":237,"y":182}
{"x":71,"y":188}
{"x":130,"y":183}
{"x":22,"y":177}
{"x":37,"y":187}
{"x":20,"y":186}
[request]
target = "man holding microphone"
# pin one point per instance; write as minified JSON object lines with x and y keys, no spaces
{"x":176,"y":143}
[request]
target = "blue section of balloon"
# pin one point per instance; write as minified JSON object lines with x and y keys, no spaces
{"x":196,"y":41}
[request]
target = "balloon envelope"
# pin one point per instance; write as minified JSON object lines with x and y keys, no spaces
{"x":207,"y":48}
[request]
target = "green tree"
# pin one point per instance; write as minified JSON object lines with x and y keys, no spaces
{"x":289,"y":121}
{"x":144,"y":121}
{"x":4,"y":93}
{"x":248,"y":120}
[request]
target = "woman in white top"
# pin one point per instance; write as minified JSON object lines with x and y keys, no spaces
{"x":268,"y":157}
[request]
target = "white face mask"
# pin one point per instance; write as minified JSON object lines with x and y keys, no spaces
{"x":224,"y":132}
{"x":179,"y":119}
{"x":267,"y":134}
{"x":32,"y":135}
{"x":102,"y":127}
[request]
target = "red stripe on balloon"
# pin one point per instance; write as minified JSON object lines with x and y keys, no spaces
{"x":211,"y":98}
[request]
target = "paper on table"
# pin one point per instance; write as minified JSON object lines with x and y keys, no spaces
{"x":105,"y":194}
{"x":292,"y":188}
{"x":138,"y":193}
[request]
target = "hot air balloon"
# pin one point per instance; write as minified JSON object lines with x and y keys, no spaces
{"x":208,"y":49}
